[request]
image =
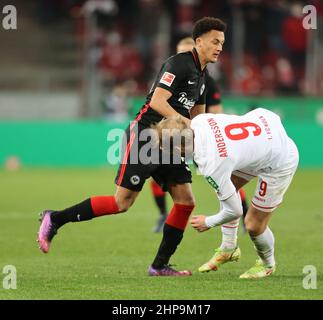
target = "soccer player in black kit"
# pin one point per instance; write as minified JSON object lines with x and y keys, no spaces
{"x":213,"y":104}
{"x":179,"y":89}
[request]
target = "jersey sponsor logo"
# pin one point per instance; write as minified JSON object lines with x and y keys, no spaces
{"x":135,"y":180}
{"x":167,"y":79}
{"x":213,"y":184}
{"x":219,"y":140}
{"x":187,"y":103}
{"x":202,"y":89}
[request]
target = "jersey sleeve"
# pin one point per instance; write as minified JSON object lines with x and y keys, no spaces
{"x":230,"y":209}
{"x":213,"y":96}
{"x":171,"y":74}
{"x":220,"y":180}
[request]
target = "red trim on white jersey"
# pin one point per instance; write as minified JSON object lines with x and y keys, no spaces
{"x":261,"y":207}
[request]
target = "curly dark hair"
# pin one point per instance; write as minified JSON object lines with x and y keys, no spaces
{"x":207,"y":24}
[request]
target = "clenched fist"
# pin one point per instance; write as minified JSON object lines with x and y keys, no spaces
{"x":198,"y":223}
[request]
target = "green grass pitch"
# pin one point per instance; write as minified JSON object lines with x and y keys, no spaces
{"x":108,"y":257}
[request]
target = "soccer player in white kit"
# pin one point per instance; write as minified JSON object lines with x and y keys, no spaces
{"x":229,"y":151}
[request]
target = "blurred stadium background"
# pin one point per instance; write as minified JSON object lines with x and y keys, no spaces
{"x":75,"y":69}
{"x":75,"y":60}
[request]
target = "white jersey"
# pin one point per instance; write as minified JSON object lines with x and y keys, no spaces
{"x":252,"y":144}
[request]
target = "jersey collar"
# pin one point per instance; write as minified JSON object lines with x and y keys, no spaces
{"x":196,"y":59}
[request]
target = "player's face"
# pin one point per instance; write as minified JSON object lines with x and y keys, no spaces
{"x":210,"y":45}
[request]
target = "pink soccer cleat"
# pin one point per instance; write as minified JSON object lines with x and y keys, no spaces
{"x":167,"y":271}
{"x":47,"y":231}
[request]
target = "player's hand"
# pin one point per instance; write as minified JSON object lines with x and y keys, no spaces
{"x":187,"y":122}
{"x":198,"y":223}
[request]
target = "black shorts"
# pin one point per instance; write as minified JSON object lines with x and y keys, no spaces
{"x":133,"y":174}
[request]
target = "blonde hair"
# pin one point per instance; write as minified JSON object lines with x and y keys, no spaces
{"x":173,"y":134}
{"x":186,"y":44}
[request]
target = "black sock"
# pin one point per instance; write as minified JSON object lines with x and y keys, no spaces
{"x":161,"y":204}
{"x":171,"y":239}
{"x":79,"y":212}
{"x":244,"y":208}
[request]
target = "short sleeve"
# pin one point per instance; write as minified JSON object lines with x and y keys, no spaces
{"x":171,"y":74}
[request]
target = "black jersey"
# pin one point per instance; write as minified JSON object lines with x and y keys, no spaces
{"x":181,"y":74}
{"x":213,"y":96}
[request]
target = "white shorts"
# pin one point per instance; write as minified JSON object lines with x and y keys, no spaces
{"x":272,"y":186}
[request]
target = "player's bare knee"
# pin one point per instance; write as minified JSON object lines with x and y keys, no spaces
{"x":185,"y":200}
{"x":123,"y":207}
{"x":124,"y":198}
{"x":124,"y":203}
{"x":253,"y":227}
{"x":250,"y":225}
{"x":190,"y":201}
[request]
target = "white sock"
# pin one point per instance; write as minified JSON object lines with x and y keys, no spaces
{"x":229,"y":235}
{"x":264,"y":244}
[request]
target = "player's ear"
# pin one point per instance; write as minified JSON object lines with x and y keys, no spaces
{"x":198,"y":42}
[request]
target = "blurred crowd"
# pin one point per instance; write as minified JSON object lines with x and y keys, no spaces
{"x":264,"y":53}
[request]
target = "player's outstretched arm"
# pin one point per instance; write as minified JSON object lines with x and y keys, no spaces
{"x":159,"y":102}
{"x":231,"y":209}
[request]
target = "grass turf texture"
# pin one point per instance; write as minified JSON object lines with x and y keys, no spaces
{"x":108,"y":257}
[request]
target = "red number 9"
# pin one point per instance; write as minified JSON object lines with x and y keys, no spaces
{"x":263,"y":188}
{"x":244,"y":132}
